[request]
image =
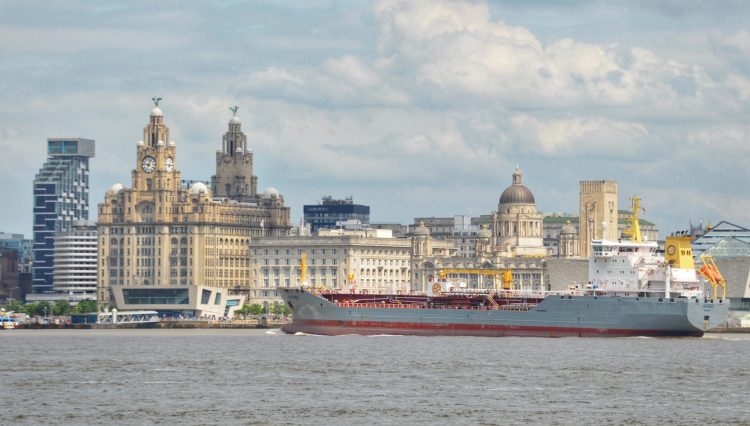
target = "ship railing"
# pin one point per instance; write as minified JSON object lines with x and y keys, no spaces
{"x":380,"y":305}
{"x":517,"y":307}
{"x":509,"y":307}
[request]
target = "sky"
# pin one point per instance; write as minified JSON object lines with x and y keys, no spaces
{"x":416,"y":108}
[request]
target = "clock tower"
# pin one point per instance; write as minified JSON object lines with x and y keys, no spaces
{"x":164,"y":246}
{"x":155,"y":169}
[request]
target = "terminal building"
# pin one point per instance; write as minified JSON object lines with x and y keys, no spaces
{"x":183,"y":250}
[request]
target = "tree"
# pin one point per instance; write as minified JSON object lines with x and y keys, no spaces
{"x":29,"y":309}
{"x":244,"y":310}
{"x":280,"y":309}
{"x":285,"y":310}
{"x":61,"y":307}
{"x":42,"y":309}
{"x":256,"y":309}
{"x":14,"y":306}
{"x":85,"y":306}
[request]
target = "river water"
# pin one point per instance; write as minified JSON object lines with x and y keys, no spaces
{"x":198,"y":377}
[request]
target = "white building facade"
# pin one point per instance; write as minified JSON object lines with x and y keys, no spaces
{"x":75,"y":252}
{"x":368,"y":260}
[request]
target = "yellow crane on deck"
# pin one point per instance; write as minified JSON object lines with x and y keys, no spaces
{"x":505,"y":275}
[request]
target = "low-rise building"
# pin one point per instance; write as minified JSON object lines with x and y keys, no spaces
{"x":370,"y":260}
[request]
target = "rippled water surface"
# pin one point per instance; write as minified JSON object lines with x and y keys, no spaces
{"x":265,"y":377}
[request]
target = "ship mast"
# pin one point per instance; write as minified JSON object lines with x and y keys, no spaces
{"x":303,"y":269}
{"x":634,"y":231}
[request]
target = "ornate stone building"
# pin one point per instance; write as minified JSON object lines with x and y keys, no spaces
{"x":369,"y":260}
{"x":157,"y":240}
{"x":514,"y":242}
{"x":517,"y":226}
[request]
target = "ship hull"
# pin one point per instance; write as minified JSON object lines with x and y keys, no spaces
{"x":554,"y":316}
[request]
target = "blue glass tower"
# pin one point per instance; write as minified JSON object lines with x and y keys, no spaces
{"x":61,"y":195}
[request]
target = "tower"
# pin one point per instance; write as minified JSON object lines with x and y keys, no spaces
{"x":422,"y":262}
{"x":234,"y":165}
{"x":61,"y":196}
{"x":598,"y":213}
{"x":164,"y":246}
{"x":155,"y":171}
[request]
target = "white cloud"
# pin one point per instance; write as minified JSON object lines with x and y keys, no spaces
{"x":591,"y":137}
{"x":403,"y":99}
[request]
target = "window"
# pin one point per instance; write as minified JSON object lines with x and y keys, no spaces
{"x":156,"y":296}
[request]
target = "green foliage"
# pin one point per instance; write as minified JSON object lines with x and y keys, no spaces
{"x":256,"y":309}
{"x":61,"y":307}
{"x":85,"y":306}
{"x":244,"y":310}
{"x":14,"y":306}
{"x":29,"y":309}
{"x":42,"y":309}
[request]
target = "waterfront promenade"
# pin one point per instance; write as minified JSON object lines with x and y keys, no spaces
{"x":184,"y":324}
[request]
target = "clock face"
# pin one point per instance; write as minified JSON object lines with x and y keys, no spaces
{"x":169,"y":164}
{"x":148,"y":164}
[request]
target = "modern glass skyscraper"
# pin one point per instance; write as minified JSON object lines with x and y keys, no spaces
{"x":61,"y":196}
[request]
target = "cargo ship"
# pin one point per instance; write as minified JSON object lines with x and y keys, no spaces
{"x":633,"y":290}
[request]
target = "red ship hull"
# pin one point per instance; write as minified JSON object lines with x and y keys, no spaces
{"x":370,"y":328}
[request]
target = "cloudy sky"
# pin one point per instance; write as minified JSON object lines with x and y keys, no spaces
{"x":415,"y":108}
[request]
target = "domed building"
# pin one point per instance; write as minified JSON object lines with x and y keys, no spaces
{"x":517,"y":226}
{"x":184,"y":246}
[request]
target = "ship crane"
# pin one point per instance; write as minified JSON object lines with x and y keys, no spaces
{"x":506,"y":275}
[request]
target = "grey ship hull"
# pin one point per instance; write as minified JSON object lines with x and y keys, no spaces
{"x":554,"y":316}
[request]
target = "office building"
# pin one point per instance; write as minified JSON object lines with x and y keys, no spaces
{"x":61,"y":196}
{"x":75,"y":258}
{"x":330,"y":213}
{"x":344,"y":260}
{"x":10,"y":286}
{"x":170,"y":248}
{"x":22,"y":246}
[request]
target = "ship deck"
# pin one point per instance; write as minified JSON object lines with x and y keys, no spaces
{"x":467,"y":301}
